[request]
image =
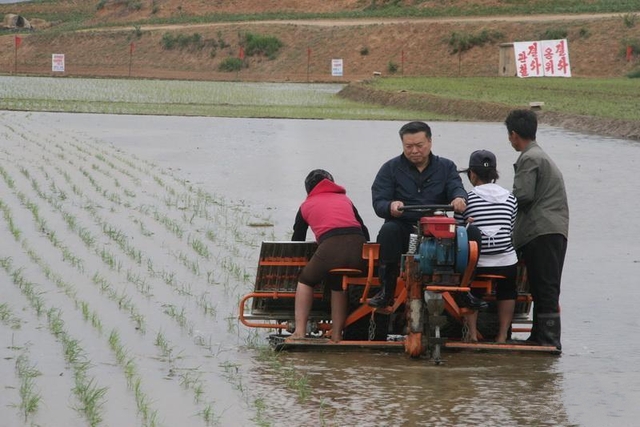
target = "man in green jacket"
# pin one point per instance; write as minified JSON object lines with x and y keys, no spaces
{"x":542,"y":224}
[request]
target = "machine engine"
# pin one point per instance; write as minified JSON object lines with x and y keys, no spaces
{"x":444,"y":246}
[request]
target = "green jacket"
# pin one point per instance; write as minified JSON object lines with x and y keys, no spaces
{"x":542,"y":198}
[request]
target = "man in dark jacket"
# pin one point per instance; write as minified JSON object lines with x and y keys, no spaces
{"x":416,"y":177}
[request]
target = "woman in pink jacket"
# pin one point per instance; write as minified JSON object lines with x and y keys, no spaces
{"x":340,"y":233}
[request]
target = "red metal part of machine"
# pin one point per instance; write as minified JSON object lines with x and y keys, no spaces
{"x":440,"y":227}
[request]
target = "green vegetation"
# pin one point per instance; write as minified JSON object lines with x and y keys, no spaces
{"x":256,"y":44}
{"x":392,"y":67}
{"x":182,"y":41}
{"x":231,"y":64}
{"x":77,"y":16}
{"x":462,"y":42}
{"x":629,"y":19}
{"x":554,"y":34}
{"x":605,"y":98}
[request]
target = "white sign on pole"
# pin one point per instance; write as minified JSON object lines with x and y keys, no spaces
{"x":57,"y":62}
{"x":547,"y":58}
{"x":336,"y":67}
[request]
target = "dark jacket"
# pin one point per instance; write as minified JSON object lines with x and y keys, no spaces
{"x":542,"y":199}
{"x":329,"y":212}
{"x":399,"y":179}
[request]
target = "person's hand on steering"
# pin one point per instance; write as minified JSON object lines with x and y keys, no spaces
{"x":459,"y":204}
{"x":393,"y":208}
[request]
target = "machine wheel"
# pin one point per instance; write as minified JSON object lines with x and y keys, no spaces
{"x":359,"y":331}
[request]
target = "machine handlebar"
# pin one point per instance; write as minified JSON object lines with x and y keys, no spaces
{"x":426,"y":208}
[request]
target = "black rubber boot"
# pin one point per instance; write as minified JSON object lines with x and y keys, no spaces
{"x":548,"y":331}
{"x":468,"y":300}
{"x":388,"y":275}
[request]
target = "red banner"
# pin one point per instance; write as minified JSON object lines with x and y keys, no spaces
{"x":18,"y":41}
{"x":132,"y":47}
{"x":241,"y":53}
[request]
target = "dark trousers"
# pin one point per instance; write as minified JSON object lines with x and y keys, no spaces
{"x":394,"y":241}
{"x":544,"y":258}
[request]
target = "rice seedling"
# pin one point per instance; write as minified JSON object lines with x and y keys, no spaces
{"x":8,"y":318}
{"x":142,"y":401}
{"x":6,"y":213}
{"x":169,"y":277}
{"x":165,"y":347}
{"x":169,"y":223}
{"x":29,"y":396}
{"x":208,"y":416}
{"x":184,"y":289}
{"x":200,"y":248}
{"x":211,"y":280}
{"x":91,"y":398}
{"x":260,"y":407}
{"x":208,"y":308}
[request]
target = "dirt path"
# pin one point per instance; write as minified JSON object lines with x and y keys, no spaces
{"x":377,"y":21}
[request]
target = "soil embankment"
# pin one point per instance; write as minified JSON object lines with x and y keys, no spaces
{"x":486,"y":111}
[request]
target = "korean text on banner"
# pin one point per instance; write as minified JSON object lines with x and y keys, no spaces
{"x":555,"y":55}
{"x":528,"y":59}
{"x":337,"y":68}
{"x":57,"y":62}
{"x":546,"y":58}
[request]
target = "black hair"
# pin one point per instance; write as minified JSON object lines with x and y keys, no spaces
{"x":415,"y":127}
{"x":314,"y":178}
{"x":485,"y":175}
{"x":523,"y":122}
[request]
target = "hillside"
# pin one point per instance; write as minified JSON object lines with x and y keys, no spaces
{"x":97,"y":37}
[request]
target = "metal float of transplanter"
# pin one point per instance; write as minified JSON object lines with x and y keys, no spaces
{"x":424,"y":319}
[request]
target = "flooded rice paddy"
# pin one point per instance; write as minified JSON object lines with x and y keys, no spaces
{"x":127,"y":242}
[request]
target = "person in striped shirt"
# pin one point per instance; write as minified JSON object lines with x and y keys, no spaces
{"x":492,"y":210}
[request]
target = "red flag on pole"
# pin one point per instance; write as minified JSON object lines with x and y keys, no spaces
{"x":241,"y":53}
{"x":18,"y":41}
{"x":132,"y":47}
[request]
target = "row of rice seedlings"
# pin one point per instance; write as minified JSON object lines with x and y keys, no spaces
{"x":181,"y":319}
{"x":118,"y":169}
{"x":87,"y":390}
{"x":110,"y":261}
{"x":191,"y":265}
{"x":204,"y":302}
{"x":199,"y":204}
{"x":206,"y":307}
{"x":180,"y":316}
{"x":124,"y":302}
{"x":189,"y":380}
{"x":134,"y":379}
{"x":91,"y":397}
{"x":8,"y":317}
{"x":174,"y":227}
{"x":29,"y":394}
{"x":127,"y":192}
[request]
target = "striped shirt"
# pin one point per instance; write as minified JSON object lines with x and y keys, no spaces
{"x":494,"y":211}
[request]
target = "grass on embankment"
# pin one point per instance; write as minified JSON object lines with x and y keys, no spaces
{"x":73,"y":15}
{"x":604,"y":98}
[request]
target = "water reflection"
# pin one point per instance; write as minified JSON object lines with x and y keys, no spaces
{"x":378,"y":389}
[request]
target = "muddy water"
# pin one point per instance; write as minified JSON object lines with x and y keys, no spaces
{"x":262,"y":163}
